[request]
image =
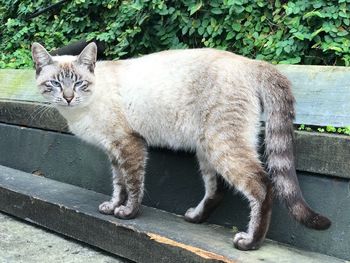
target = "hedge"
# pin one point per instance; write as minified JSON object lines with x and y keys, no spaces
{"x":293,"y":32}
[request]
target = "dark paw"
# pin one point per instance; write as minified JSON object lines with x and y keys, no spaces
{"x":126,"y":212}
{"x":244,"y":241}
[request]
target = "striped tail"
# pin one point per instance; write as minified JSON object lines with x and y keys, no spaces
{"x":278,"y":103}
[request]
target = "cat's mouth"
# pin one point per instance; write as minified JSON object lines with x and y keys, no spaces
{"x":66,"y":105}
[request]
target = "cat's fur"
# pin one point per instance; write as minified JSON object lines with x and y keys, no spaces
{"x":203,"y":100}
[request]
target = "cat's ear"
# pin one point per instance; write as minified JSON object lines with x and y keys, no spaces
{"x":40,"y":56}
{"x":88,"y":56}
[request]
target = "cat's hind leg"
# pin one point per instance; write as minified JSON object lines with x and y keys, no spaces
{"x":238,"y":163}
{"x":213,"y":193}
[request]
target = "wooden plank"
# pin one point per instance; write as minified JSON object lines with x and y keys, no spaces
{"x":312,"y":149}
{"x":174,"y":184}
{"x":155,"y":236}
{"x":322,"y":92}
{"x":32,"y":114}
{"x":321,"y":153}
{"x":19,"y":84}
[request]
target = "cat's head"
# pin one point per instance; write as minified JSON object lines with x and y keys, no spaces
{"x":65,"y":81}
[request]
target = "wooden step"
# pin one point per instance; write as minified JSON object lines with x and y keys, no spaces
{"x":155,"y":236}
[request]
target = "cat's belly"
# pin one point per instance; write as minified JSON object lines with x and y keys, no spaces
{"x":175,"y":130}
{"x":170,"y":139}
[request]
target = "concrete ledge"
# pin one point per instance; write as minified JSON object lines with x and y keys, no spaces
{"x":23,"y":242}
{"x":155,"y":236}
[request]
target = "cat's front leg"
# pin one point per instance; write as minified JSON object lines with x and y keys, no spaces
{"x":119,"y":191}
{"x":129,"y":155}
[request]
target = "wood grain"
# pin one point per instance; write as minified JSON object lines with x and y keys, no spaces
{"x":156,"y":236}
{"x":322,"y":92}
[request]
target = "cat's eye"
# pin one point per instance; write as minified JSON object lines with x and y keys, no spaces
{"x":82,"y":85}
{"x":85,"y":88}
{"x":55,"y":83}
{"x":47,"y":89}
{"x":78,"y":83}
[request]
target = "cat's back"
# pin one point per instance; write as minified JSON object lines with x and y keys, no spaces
{"x":180,"y":70}
{"x":183,"y":60}
{"x":163,"y":94}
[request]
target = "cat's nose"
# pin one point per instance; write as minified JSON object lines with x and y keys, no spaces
{"x":68,"y":99}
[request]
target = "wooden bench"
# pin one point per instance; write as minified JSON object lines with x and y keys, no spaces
{"x":35,"y":140}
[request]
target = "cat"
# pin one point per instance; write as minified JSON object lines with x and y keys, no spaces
{"x":202,"y":100}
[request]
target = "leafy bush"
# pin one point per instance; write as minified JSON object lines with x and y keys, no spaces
{"x":306,"y":32}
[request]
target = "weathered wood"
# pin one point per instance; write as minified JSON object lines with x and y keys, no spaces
{"x":312,"y":149}
{"x":174,"y":184}
{"x":323,"y":153}
{"x":155,"y":236}
{"x":19,"y":84}
{"x":322,"y":92}
{"x":32,"y":114}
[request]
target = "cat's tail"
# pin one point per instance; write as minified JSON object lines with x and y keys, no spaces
{"x":278,"y":104}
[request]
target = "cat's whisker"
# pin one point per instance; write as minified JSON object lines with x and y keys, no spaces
{"x":37,"y":111}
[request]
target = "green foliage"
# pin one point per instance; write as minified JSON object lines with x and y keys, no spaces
{"x":326,"y":129}
{"x":307,"y":32}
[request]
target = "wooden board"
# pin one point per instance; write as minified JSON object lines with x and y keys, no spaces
{"x":19,"y":84}
{"x":313,"y":150}
{"x":322,"y":92}
{"x":32,"y":114}
{"x":174,"y":184}
{"x":155,"y":236}
{"x":323,"y":153}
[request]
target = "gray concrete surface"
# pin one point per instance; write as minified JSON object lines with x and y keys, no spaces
{"x":23,"y":242}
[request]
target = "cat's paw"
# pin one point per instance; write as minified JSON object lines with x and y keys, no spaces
{"x":193,"y":216}
{"x":244,"y":241}
{"x":107,"y":207}
{"x":126,"y":212}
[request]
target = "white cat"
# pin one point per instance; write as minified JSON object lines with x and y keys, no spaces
{"x":203,"y":100}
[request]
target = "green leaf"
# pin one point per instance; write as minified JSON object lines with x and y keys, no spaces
{"x":331,"y":129}
{"x":335,"y":48}
{"x":313,"y":13}
{"x":201,"y":30}
{"x":343,"y":33}
{"x":210,"y":29}
{"x":230,"y":35}
{"x":316,"y":32}
{"x":216,"y":11}
{"x":195,"y":7}
{"x":191,"y":31}
{"x":299,"y":35}
{"x":236,"y":27}
{"x":295,"y":60}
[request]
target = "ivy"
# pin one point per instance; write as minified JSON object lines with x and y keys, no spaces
{"x":325,"y":129}
{"x":289,"y":32}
